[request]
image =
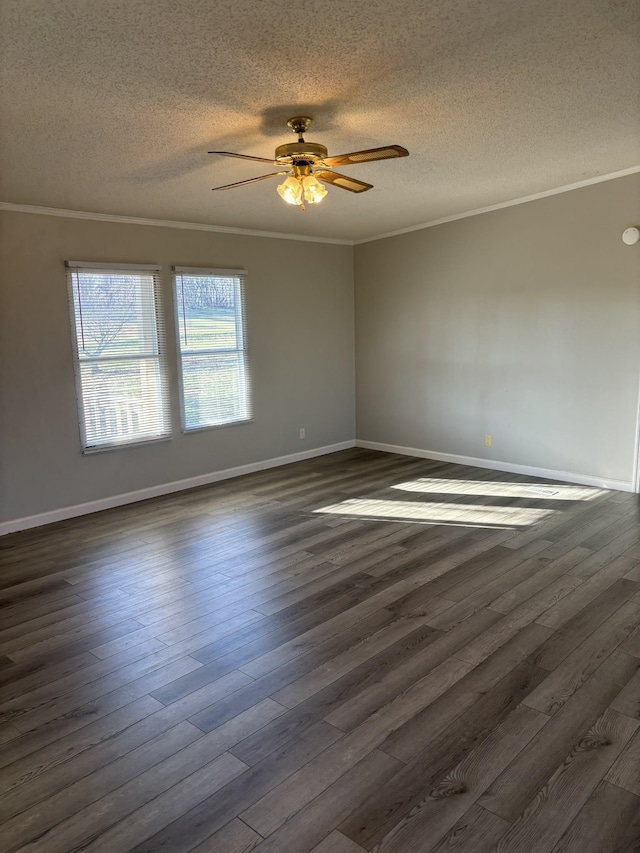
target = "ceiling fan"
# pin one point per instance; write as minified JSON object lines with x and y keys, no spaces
{"x":305,"y":164}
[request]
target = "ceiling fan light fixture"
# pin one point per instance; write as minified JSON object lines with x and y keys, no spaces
{"x":300,"y":188}
{"x":291,"y":190}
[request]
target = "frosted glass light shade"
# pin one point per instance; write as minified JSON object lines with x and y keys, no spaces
{"x":291,"y":191}
{"x":314,"y":191}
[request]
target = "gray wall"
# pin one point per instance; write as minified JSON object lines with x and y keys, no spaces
{"x":523,"y":323}
{"x":300,"y":325}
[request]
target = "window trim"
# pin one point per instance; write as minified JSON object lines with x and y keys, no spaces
{"x":240,"y":274}
{"x":155,"y":270}
{"x":95,"y":265}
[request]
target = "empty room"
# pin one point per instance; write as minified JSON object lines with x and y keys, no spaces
{"x":319,"y":426}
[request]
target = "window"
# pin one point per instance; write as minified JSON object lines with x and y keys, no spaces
{"x":119,"y":348}
{"x":211,"y":336}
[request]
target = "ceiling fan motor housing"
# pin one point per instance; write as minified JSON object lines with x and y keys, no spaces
{"x":301,"y":153}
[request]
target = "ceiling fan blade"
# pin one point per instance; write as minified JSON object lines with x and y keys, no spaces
{"x":250,"y":181}
{"x":242,"y":156}
{"x":343,"y":181}
{"x":385,"y":153}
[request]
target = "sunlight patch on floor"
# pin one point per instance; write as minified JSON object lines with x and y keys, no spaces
{"x":535,"y":491}
{"x":467,"y":515}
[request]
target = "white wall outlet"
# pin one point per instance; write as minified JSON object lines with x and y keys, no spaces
{"x":302,"y":432}
{"x":487,"y":440}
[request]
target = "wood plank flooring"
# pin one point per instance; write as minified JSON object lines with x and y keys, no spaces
{"x":360,"y":652}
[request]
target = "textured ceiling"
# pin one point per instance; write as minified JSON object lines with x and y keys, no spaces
{"x":110,"y":106}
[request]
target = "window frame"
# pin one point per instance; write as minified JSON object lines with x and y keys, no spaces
{"x":73,"y":268}
{"x":241,"y":332}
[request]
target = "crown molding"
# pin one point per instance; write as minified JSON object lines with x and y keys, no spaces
{"x":164,"y":223}
{"x":511,"y":203}
{"x":276,"y":235}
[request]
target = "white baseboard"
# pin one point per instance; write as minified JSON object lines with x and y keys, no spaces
{"x":165,"y":489}
{"x":64,"y":513}
{"x":496,"y":465}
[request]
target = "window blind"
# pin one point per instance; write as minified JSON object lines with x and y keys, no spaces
{"x":211,"y":332}
{"x":119,"y":348}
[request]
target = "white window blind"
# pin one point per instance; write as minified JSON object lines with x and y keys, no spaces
{"x":214,"y":370}
{"x":120,"y":354}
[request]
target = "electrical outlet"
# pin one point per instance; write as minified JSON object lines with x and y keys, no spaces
{"x":487,"y":440}
{"x":302,"y":432}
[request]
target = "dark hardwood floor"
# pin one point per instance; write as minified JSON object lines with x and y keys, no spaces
{"x":361,"y":652}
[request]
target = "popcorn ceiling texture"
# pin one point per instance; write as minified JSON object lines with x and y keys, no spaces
{"x":110,"y":106}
